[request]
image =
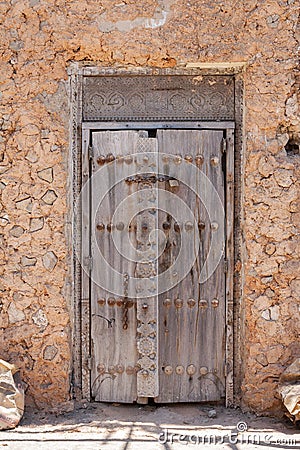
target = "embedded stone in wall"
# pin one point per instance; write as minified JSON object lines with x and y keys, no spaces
{"x":266,"y":280}
{"x":46,"y":174}
{"x":4,"y":220}
{"x":269,"y":293}
{"x":262,"y":302}
{"x":16,"y":231}
{"x":266,"y":314}
{"x":282,"y":139}
{"x":16,"y":45}
{"x":266,"y":166}
{"x":32,"y":156}
{"x":45,"y":133}
{"x":5,"y":122}
{"x":34,"y":3}
{"x":3,"y":169}
{"x":22,"y":300}
{"x":50,"y":352}
{"x":261,"y":359}
{"x":289,"y":267}
{"x":271,"y":314}
{"x":25,"y":204}
{"x":270,"y":249}
{"x":296,"y":220}
{"x":28,"y":261}
{"x":49,"y":197}
{"x":50,"y":261}
{"x":14,"y":314}
{"x":274,"y":312}
{"x":273,"y":21}
{"x":274,"y":354}
{"x":30,"y":129}
{"x":40,"y":319}
{"x":267,"y":267}
{"x":295,"y":286}
{"x":36,"y":224}
{"x":292,"y":109}
{"x":283,"y":177}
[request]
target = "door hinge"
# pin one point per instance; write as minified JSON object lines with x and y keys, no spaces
{"x":225,"y":265}
{"x":91,"y":152}
{"x":224,"y":145}
{"x":89,"y":362}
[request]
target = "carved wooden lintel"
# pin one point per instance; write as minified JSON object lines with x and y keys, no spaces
{"x":158,"y":97}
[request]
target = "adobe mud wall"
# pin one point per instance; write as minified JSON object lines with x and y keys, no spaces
{"x":39,"y":40}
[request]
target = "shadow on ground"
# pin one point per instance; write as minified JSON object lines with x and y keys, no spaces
{"x":131,"y":427}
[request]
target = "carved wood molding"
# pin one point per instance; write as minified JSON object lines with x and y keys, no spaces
{"x":158,"y":97}
{"x":147,"y":376}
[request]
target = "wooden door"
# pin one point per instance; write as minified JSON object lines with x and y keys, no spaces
{"x":158,"y":290}
{"x":192,"y":314}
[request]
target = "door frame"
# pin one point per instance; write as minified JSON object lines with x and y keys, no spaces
{"x":80,"y":133}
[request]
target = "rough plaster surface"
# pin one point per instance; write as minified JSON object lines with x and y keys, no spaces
{"x":39,"y":39}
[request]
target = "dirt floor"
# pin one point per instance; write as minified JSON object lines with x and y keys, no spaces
{"x":122,"y":427}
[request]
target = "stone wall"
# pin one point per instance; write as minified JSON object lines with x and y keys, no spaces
{"x":39,"y":40}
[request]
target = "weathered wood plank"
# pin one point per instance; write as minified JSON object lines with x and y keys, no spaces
{"x":113,"y":321}
{"x":85,"y":271}
{"x":230,"y":263}
{"x":191,"y":332}
{"x":165,"y":125}
{"x":146,"y":270}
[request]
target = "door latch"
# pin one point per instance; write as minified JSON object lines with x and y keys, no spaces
{"x":152,"y":178}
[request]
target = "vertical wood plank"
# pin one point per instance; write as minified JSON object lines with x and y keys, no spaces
{"x":192,"y":338}
{"x":113,"y":321}
{"x":74,"y":226}
{"x":147,"y":311}
{"x":230,"y":264}
{"x":85,"y":269}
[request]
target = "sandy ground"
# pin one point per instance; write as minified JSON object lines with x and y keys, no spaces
{"x":123,"y":427}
